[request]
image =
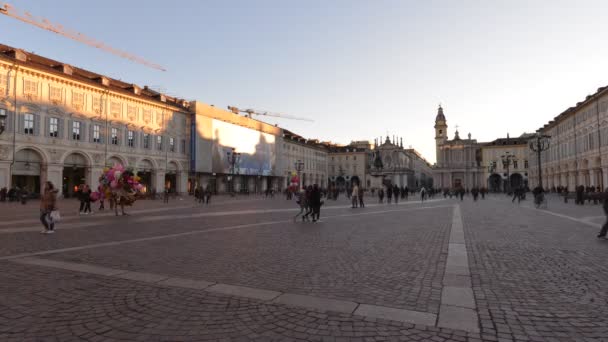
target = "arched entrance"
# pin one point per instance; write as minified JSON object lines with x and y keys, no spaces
{"x":74,"y":173}
{"x":26,"y":171}
{"x":144,"y":171}
{"x":355,"y":181}
{"x":171,"y":177}
{"x":115,"y":160}
{"x":494,"y":183}
{"x":341,"y":183}
{"x":517,"y":181}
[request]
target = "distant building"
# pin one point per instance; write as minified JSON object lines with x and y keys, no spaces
{"x":468,"y":163}
{"x":578,"y":150}
{"x":312,"y":155}
{"x":347,"y":165}
{"x":64,"y":124}
{"x":391,"y":164}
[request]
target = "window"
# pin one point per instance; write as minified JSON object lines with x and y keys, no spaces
{"x":76,"y":130}
{"x":53,"y":127}
{"x":515,"y":164}
{"x":171,"y":145}
{"x":30,"y":87}
{"x":146,"y":140}
{"x":525,"y":164}
{"x":115,"y":109}
{"x":96,"y":135}
{"x":78,"y":100}
{"x":183,"y":146}
{"x":114,"y":136}
{"x":55,"y":94}
{"x":28,"y":124}
{"x":130,"y":139}
{"x":159,"y":143}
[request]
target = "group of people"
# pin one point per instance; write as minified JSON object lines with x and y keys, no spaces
{"x":202,"y":195}
{"x":357,"y":197}
{"x":14,"y":194}
{"x":309,"y":200}
{"x":392,"y":191}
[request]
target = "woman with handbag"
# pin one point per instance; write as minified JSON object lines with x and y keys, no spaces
{"x":48,"y":205}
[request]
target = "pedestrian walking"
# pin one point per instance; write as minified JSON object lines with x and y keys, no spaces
{"x":422,"y":194}
{"x":48,"y":204}
{"x":87,"y":199}
{"x":166,"y":196}
{"x":301,"y":201}
{"x":381,"y":195}
{"x":80,"y":195}
{"x":604,"y":230}
{"x":396,"y":193}
{"x":354,"y":196}
{"x":308,"y":203}
{"x":389,"y":194}
{"x":316,"y":203}
{"x":361,"y":204}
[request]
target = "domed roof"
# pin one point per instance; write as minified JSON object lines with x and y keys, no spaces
{"x":440,"y":116}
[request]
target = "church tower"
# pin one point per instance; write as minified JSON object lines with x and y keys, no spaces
{"x":441,"y":134}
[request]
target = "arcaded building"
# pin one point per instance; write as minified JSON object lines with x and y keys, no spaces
{"x":64,"y":124}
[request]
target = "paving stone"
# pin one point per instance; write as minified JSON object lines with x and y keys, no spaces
{"x":186,"y":283}
{"x":142,"y":276}
{"x":459,"y":318}
{"x":458,"y":296}
{"x":316,"y":303}
{"x":453,"y":280}
{"x":414,"y":317}
{"x":243,"y":291}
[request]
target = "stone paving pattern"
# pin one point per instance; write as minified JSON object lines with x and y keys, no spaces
{"x":398,"y":262}
{"x":535,"y":276}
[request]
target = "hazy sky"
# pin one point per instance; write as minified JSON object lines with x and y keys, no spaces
{"x":358,"y":68}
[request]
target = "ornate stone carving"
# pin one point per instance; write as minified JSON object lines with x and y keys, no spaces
{"x":55,"y":155}
{"x":97,"y":158}
{"x":4,"y":152}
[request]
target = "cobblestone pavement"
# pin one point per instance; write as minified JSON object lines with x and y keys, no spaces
{"x":535,"y":276}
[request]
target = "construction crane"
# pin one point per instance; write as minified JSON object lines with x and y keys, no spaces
{"x":43,"y":23}
{"x":250,"y":112}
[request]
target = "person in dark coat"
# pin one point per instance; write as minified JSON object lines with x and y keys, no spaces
{"x":315,"y":202}
{"x":602,"y":234}
{"x":389,"y":194}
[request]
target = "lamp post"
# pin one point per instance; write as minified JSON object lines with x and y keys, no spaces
{"x":233,"y":160}
{"x":541,"y":144}
{"x":299,"y":165}
{"x":507,"y":159}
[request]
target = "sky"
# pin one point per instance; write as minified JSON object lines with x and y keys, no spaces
{"x":359,"y":69}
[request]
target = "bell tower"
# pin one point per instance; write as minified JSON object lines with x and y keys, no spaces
{"x":441,"y":134}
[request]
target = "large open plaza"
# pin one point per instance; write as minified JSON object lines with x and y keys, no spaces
{"x":240,"y":269}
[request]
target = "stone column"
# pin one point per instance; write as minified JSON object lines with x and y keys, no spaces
{"x":592,"y":178}
{"x":5,"y":181}
{"x":54,"y":174}
{"x":158,"y":181}
{"x":182,"y":182}
{"x":605,"y":177}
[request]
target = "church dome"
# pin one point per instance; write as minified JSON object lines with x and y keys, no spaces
{"x":440,"y":116}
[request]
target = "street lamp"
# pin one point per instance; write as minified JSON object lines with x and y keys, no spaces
{"x":233,"y":159}
{"x":507,"y":159}
{"x":299,"y":165}
{"x":541,"y":144}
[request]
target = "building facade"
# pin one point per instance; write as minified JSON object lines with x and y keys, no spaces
{"x":391,"y":164}
{"x":233,"y":153}
{"x":459,"y":162}
{"x":578,"y":148}
{"x":310,"y":153}
{"x":347,"y":165}
{"x":506,"y":163}
{"x":64,"y":124}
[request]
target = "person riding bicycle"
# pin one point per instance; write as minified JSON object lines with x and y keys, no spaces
{"x":539,"y":194}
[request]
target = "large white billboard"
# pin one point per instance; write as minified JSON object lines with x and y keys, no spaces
{"x":257,"y":149}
